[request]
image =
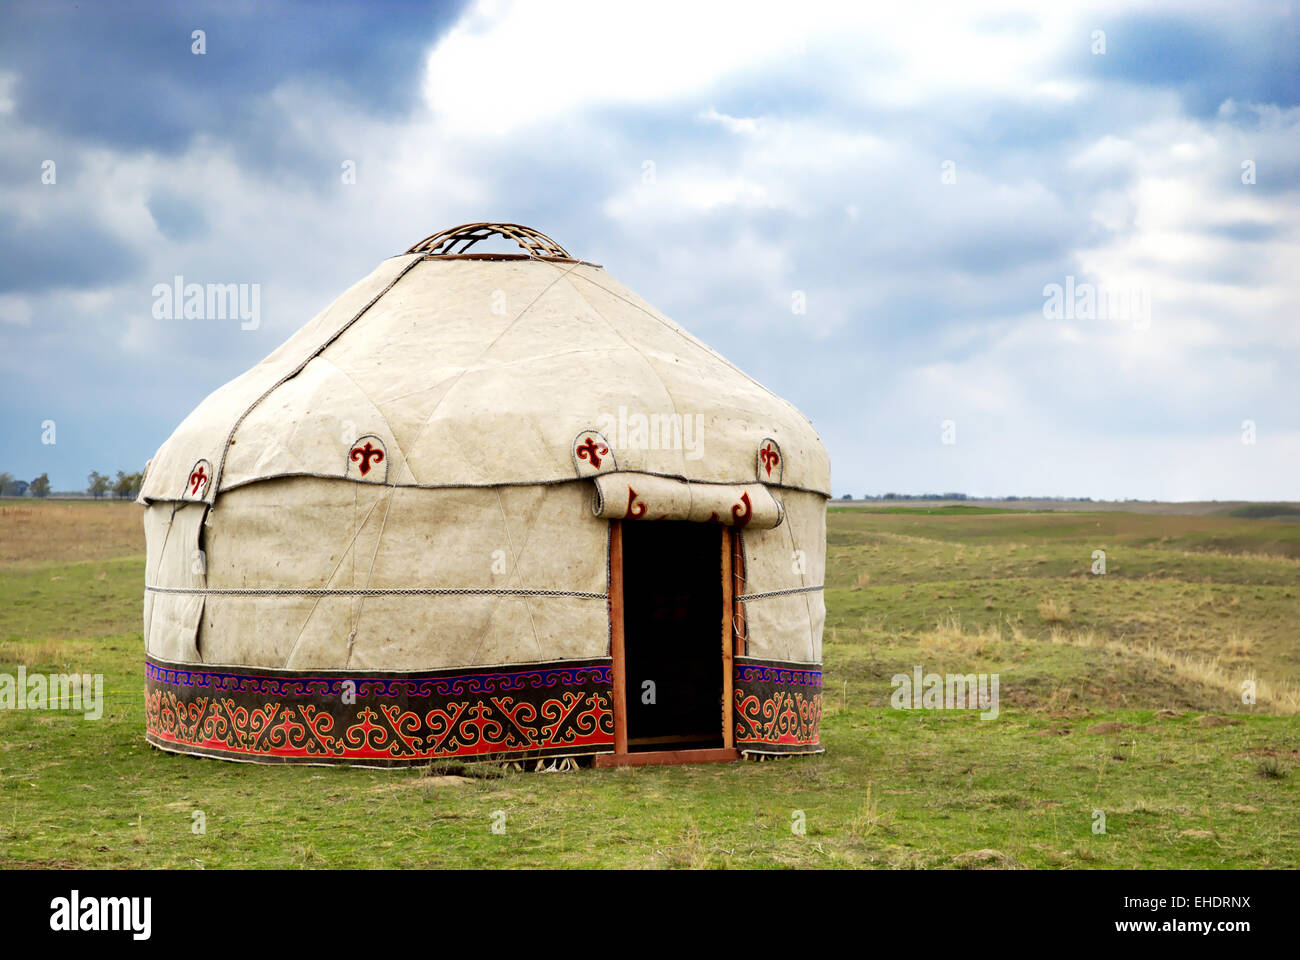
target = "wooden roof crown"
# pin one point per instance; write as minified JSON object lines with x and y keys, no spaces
{"x":456,"y":241}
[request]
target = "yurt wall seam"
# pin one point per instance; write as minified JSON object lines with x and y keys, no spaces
{"x":225,"y":449}
{"x":333,"y":573}
{"x":356,"y":618}
{"x":528,"y":536}
{"x":163,"y":546}
{"x":672,"y":401}
{"x":392,"y":434}
{"x":514,"y":556}
{"x":794,"y":549}
{"x":171,"y":519}
{"x":673,"y":326}
{"x":414,"y":444}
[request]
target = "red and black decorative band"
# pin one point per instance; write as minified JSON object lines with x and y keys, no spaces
{"x":563,"y":708}
{"x":778,"y":706}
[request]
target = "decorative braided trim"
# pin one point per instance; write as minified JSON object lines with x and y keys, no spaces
{"x":781,"y":593}
{"x":373,"y":592}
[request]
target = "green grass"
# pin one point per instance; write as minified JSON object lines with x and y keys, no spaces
{"x":71,"y":599}
{"x":1101,"y":710}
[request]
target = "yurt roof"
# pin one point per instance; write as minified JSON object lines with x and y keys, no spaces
{"x":480,"y":369}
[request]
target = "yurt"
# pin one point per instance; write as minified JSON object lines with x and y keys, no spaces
{"x":487,"y":506}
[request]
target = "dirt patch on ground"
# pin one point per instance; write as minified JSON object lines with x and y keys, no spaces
{"x":1293,"y":755}
{"x":1213,"y":720}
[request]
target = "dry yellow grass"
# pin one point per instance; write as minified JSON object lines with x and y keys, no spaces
{"x":1283,"y":698}
{"x":1238,"y":646}
{"x":39,"y":654}
{"x":1053,"y":612}
{"x":869,"y":818}
{"x":1221,"y":672}
{"x":949,"y":635}
{"x":67,"y":532}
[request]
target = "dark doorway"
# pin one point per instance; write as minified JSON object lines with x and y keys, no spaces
{"x":672,"y":602}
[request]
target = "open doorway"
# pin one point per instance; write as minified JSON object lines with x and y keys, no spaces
{"x":672,"y":601}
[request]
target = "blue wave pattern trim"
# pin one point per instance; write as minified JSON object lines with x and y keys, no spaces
{"x":769,"y":673}
{"x":457,"y":683}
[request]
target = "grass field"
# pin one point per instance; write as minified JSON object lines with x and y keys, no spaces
{"x":1120,"y":695}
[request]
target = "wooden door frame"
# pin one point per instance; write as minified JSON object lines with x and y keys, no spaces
{"x":728,"y":673}
{"x":617,"y":648}
{"x":618,"y":653}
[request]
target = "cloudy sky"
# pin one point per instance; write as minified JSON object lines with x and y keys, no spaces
{"x":862,"y":208}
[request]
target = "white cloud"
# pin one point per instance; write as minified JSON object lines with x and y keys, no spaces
{"x":738,"y":125}
{"x":15,"y":310}
{"x":508,"y":66}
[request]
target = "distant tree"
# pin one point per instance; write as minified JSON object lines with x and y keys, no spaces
{"x":6,"y":481}
{"x":19,"y":488}
{"x":97,"y":484}
{"x":127,"y":484}
{"x":847,"y":496}
{"x":40,"y":487}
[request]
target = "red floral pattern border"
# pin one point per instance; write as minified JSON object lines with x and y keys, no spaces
{"x":778,"y":706}
{"x":554,"y":709}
